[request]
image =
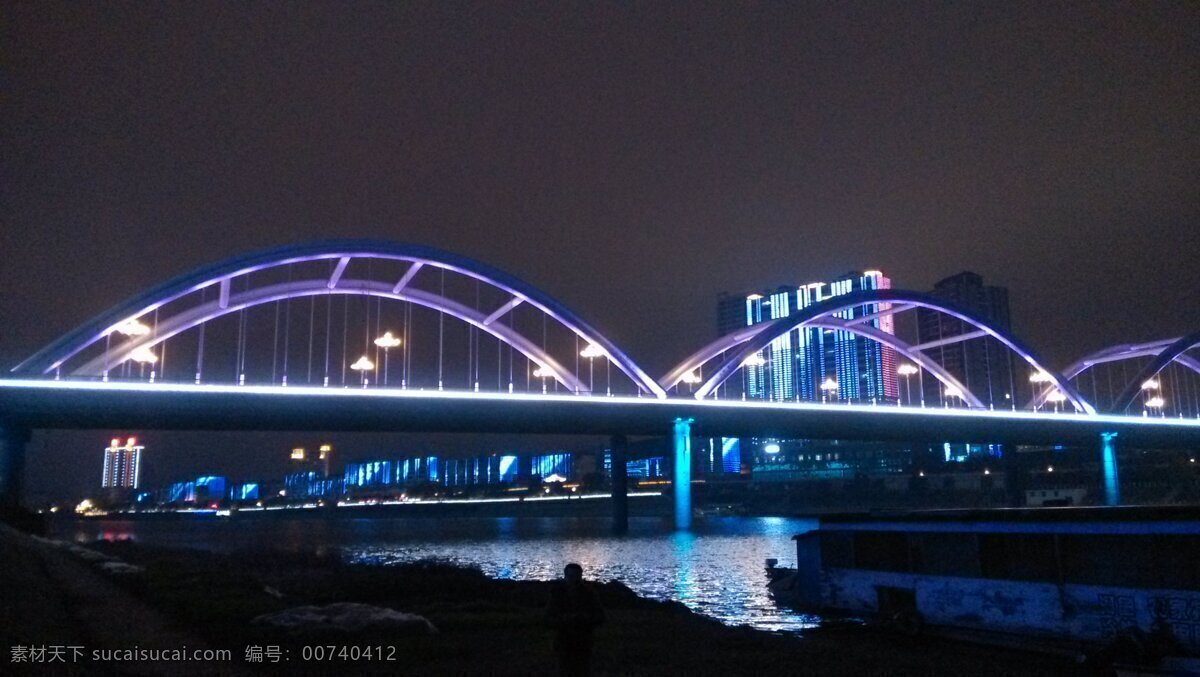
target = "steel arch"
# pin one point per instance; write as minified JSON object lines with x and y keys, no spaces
{"x":1168,"y":355}
{"x":753,"y":339}
{"x":1126,"y":351}
{"x":55,"y":354}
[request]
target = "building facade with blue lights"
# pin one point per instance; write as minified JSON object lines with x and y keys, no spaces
{"x":796,"y":365}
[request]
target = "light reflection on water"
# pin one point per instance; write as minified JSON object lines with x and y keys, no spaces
{"x":716,"y":569}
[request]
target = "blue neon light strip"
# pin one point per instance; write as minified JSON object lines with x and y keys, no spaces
{"x":316,"y":391}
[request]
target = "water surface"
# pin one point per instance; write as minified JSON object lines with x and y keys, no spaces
{"x":715,"y":569}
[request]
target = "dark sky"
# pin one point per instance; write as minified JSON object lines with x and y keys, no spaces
{"x":632,"y":161}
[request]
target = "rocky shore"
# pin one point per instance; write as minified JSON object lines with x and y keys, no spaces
{"x":424,"y":618}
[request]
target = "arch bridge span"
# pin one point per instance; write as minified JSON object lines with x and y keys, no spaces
{"x":859,"y":313}
{"x":336,"y":269}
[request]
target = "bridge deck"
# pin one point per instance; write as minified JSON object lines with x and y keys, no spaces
{"x":75,"y":404}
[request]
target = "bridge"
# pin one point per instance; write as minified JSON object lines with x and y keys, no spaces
{"x":380,"y":336}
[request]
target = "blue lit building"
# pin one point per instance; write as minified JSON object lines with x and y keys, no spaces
{"x":308,"y":484}
{"x":370,"y":474}
{"x":795,"y":365}
{"x":643,"y":468}
{"x":490,"y":469}
{"x":181,"y":492}
{"x":246,"y":491}
{"x":546,"y":465}
{"x":724,"y":456}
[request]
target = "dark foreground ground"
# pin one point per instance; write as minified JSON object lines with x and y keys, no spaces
{"x":52,"y":596}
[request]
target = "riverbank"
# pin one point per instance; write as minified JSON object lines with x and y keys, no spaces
{"x":485,"y":626}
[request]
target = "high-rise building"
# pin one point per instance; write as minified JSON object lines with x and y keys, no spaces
{"x":983,"y":365}
{"x":797,"y":365}
{"x":122,"y":464}
{"x":321,"y":461}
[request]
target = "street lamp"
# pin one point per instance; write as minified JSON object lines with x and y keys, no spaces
{"x":362,"y":366}
{"x":1156,"y":402}
{"x":828,"y":386}
{"x":387,"y":342}
{"x":132,"y":327}
{"x":755,"y":360}
{"x":954,"y":391}
{"x":543,"y":373}
{"x":591,"y":351}
{"x":1057,"y":397}
{"x":690,"y":378}
{"x":906,"y":370}
{"x":143,"y":356}
{"x":1151,"y":390}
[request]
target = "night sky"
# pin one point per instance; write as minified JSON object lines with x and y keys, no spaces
{"x":632,"y":161}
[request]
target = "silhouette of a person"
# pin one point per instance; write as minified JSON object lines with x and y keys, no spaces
{"x":574,"y":611}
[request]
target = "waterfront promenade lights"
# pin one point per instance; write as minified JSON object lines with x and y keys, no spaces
{"x":591,"y":351}
{"x":828,"y":387}
{"x":362,"y":365}
{"x":907,"y":370}
{"x":387,"y":342}
{"x":543,"y":373}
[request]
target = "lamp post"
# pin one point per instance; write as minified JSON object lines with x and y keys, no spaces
{"x":691,"y":379}
{"x":1156,"y":402}
{"x":828,"y":386}
{"x":387,"y":342}
{"x":1037,"y":378}
{"x":907,"y":370}
{"x":953,"y":392}
{"x":543,"y":373}
{"x":1151,"y":392}
{"x":1057,"y":397}
{"x":591,"y":352}
{"x":362,"y":365}
{"x":143,"y":356}
{"x":755,"y":360}
{"x":129,"y":329}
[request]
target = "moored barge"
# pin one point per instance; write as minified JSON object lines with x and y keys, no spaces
{"x":1082,"y":577}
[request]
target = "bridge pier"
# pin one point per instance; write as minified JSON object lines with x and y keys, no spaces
{"x":619,"y":450}
{"x":1108,"y":465}
{"x":12,"y":464}
{"x":682,"y":436}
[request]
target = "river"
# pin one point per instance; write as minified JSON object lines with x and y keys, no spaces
{"x":716,"y":569}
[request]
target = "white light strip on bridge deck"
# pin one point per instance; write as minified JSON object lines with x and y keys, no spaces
{"x":467,"y":396}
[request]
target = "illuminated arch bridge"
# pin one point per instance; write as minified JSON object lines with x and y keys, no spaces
{"x":350,"y":313}
{"x":367,"y":335}
{"x":379,"y":314}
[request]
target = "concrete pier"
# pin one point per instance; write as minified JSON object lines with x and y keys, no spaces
{"x":620,"y":484}
{"x":12,"y":463}
{"x":682,"y":437}
{"x":1108,"y":464}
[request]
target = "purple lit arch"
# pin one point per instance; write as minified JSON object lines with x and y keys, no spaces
{"x":750,"y":340}
{"x":340,"y":253}
{"x":1164,"y":352}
